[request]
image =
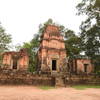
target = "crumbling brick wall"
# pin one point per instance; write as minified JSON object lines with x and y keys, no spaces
{"x":15,"y":60}
{"x":81,"y":65}
{"x":24,"y":77}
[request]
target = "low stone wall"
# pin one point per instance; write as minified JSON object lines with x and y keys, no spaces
{"x":82,"y":79}
{"x":24,"y":77}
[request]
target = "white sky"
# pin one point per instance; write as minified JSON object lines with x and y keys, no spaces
{"x":21,"y":18}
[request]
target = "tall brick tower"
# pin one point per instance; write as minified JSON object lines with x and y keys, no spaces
{"x":51,"y":53}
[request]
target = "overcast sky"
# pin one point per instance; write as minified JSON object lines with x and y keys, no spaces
{"x":21,"y":18}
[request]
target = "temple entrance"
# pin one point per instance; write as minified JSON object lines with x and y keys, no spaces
{"x":14,"y":64}
{"x":85,"y":67}
{"x":54,"y":65}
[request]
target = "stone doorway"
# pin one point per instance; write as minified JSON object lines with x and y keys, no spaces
{"x":14,"y":64}
{"x":85,"y":67}
{"x":54,"y":65}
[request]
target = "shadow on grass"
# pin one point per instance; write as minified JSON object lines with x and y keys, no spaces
{"x":82,"y":87}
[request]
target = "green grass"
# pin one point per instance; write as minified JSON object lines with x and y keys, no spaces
{"x":46,"y":87}
{"x":82,"y":87}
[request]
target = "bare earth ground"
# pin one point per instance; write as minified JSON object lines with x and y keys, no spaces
{"x":35,"y":93}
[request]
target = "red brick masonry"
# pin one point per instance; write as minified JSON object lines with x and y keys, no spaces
{"x":52,"y":53}
{"x":15,"y":60}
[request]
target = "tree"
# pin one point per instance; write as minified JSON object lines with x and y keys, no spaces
{"x":49,"y":22}
{"x":91,"y":8}
{"x":43,"y":26}
{"x":32,"y":48}
{"x":90,"y":33}
{"x":72,"y":43}
{"x":90,"y":29}
{"x":17,"y":47}
{"x":5,"y":40}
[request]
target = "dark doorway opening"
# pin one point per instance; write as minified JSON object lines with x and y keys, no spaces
{"x":53,"y":64}
{"x":85,"y":67}
{"x":14,"y":64}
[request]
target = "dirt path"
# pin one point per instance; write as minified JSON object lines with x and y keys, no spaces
{"x":34,"y":93}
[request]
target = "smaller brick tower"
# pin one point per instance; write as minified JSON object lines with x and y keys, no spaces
{"x":51,"y":53}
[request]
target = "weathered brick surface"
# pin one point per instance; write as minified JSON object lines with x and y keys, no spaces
{"x":83,"y":79}
{"x":24,"y":77}
{"x":52,"y":47}
{"x":21,"y":58}
{"x":78,"y":65}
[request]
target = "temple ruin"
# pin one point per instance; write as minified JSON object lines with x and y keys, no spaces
{"x":15,"y":60}
{"x":52,"y":56}
{"x":51,"y":53}
{"x":53,"y":66}
{"x":80,"y":65}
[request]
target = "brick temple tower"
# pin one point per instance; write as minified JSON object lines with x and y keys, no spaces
{"x":51,"y":53}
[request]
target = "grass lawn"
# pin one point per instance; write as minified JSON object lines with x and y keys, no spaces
{"x":46,"y":87}
{"x":81,"y":87}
